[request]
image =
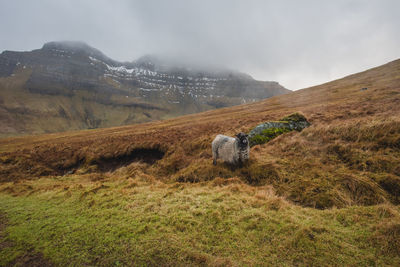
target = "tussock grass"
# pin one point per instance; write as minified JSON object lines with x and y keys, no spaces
{"x":328,"y":195}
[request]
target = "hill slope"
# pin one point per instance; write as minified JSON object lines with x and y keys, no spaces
{"x":348,"y":124}
{"x":70,"y":86}
{"x":327,"y":195}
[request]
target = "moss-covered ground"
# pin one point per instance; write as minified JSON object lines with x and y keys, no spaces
{"x":267,"y":134}
{"x":90,"y":220}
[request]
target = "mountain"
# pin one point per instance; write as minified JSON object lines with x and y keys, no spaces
{"x":70,"y":85}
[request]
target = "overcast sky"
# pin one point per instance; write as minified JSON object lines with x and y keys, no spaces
{"x":297,"y":43}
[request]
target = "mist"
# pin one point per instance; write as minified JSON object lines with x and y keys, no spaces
{"x":297,"y":43}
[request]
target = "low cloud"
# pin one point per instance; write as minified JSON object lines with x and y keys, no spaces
{"x":297,"y":43}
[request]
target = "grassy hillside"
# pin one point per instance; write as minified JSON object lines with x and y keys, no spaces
{"x":149,"y":194}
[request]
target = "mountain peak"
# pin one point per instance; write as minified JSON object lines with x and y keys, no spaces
{"x":151,"y":88}
{"x":74,"y":46}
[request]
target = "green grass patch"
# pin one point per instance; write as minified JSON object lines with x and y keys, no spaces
{"x":131,"y":222}
{"x":267,"y":135}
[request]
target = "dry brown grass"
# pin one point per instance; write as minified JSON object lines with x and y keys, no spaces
{"x":348,"y":156}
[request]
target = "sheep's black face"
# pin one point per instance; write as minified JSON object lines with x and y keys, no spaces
{"x":243,"y":140}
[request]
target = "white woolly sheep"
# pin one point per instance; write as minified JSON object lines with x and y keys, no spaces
{"x":233,"y":150}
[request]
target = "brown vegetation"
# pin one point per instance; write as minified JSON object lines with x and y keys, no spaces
{"x":348,"y":156}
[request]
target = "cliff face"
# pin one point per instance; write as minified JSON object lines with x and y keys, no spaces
{"x":70,"y":85}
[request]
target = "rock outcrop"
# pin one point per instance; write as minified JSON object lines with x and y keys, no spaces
{"x":266,"y":131}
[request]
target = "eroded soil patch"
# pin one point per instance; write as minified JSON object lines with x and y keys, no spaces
{"x":146,"y":155}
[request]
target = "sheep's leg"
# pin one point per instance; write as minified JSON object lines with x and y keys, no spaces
{"x":215,"y":156}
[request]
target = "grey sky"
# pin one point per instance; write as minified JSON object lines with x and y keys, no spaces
{"x":297,"y":43}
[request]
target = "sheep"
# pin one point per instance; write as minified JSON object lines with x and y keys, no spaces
{"x":233,"y":150}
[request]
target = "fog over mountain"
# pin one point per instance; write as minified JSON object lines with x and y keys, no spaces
{"x":297,"y":43}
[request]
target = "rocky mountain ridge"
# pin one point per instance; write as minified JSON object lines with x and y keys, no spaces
{"x":80,"y":88}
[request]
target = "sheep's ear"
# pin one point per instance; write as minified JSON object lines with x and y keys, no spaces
{"x":238,"y":135}
{"x":247,"y":135}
